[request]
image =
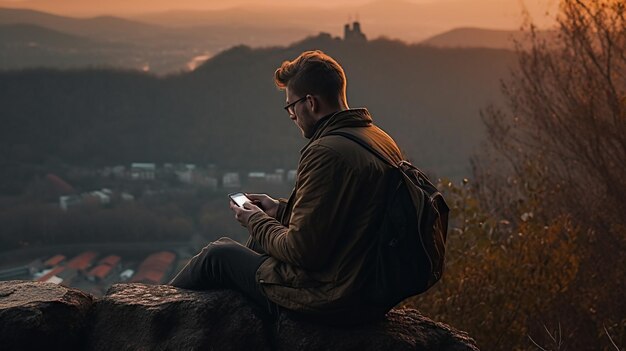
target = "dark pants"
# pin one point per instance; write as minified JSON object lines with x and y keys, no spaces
{"x":226,"y":263}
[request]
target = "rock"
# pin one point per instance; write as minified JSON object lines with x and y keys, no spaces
{"x":160,"y":317}
{"x":36,"y":316}
{"x":133,"y":316}
{"x":403,"y":329}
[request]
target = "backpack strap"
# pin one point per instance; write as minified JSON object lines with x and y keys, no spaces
{"x":366,"y":146}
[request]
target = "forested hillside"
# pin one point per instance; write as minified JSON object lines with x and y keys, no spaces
{"x":228,"y":111}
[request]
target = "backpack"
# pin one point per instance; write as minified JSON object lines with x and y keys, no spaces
{"x":408,"y":257}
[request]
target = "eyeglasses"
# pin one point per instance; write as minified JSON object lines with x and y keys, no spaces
{"x":289,"y":108}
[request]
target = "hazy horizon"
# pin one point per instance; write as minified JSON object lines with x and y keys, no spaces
{"x":409,"y":20}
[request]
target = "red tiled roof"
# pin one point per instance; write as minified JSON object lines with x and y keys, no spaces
{"x":54,"y":261}
{"x":111,"y":260}
{"x":154,"y":267}
{"x":59,"y":184}
{"x":101,"y":271}
{"x":82,"y":261}
{"x":53,"y":272}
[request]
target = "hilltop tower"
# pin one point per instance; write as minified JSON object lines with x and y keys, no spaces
{"x":353,"y":34}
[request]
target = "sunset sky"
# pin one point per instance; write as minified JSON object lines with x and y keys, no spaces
{"x":126,"y":7}
{"x":410,"y":20}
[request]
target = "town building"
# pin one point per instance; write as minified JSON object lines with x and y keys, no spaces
{"x":142,"y":171}
{"x":67,"y":201}
{"x":54,"y":261}
{"x":231,"y":180}
{"x":99,"y":273}
{"x":82,"y":261}
{"x":155,"y":268}
{"x":105,"y":268}
{"x":14,"y":273}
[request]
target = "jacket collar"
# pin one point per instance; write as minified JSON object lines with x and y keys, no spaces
{"x":357,"y":117}
{"x":322,"y":121}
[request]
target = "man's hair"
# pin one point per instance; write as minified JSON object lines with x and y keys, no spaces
{"x":315,"y":73}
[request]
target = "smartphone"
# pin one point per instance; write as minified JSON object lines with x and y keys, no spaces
{"x":239,"y":198}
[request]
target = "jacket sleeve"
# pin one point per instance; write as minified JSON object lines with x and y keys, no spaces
{"x":318,"y":214}
{"x":282,"y":206}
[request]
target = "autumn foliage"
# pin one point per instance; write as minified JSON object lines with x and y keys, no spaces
{"x":537,"y":249}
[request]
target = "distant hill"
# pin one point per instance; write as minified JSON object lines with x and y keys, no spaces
{"x":103,"y":27}
{"x":174,"y":41}
{"x":427,"y":98}
{"x":410,"y":21}
{"x":121,"y":43}
{"x":407,"y":20}
{"x":33,"y":35}
{"x":481,"y":38}
{"x":118,"y":29}
{"x":28,"y":46}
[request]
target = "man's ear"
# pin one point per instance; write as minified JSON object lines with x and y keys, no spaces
{"x":313,"y":103}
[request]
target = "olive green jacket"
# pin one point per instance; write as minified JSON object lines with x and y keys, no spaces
{"x":320,"y":243}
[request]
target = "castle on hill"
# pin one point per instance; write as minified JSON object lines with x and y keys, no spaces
{"x":353,"y":34}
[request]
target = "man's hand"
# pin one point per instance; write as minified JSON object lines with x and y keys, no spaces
{"x":243,"y":214}
{"x":267,"y":204}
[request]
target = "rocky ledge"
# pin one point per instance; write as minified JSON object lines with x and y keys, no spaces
{"x":37,"y":316}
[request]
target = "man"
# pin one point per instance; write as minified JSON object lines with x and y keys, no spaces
{"x":311,"y":254}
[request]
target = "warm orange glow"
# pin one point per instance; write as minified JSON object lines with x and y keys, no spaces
{"x":404,"y":19}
